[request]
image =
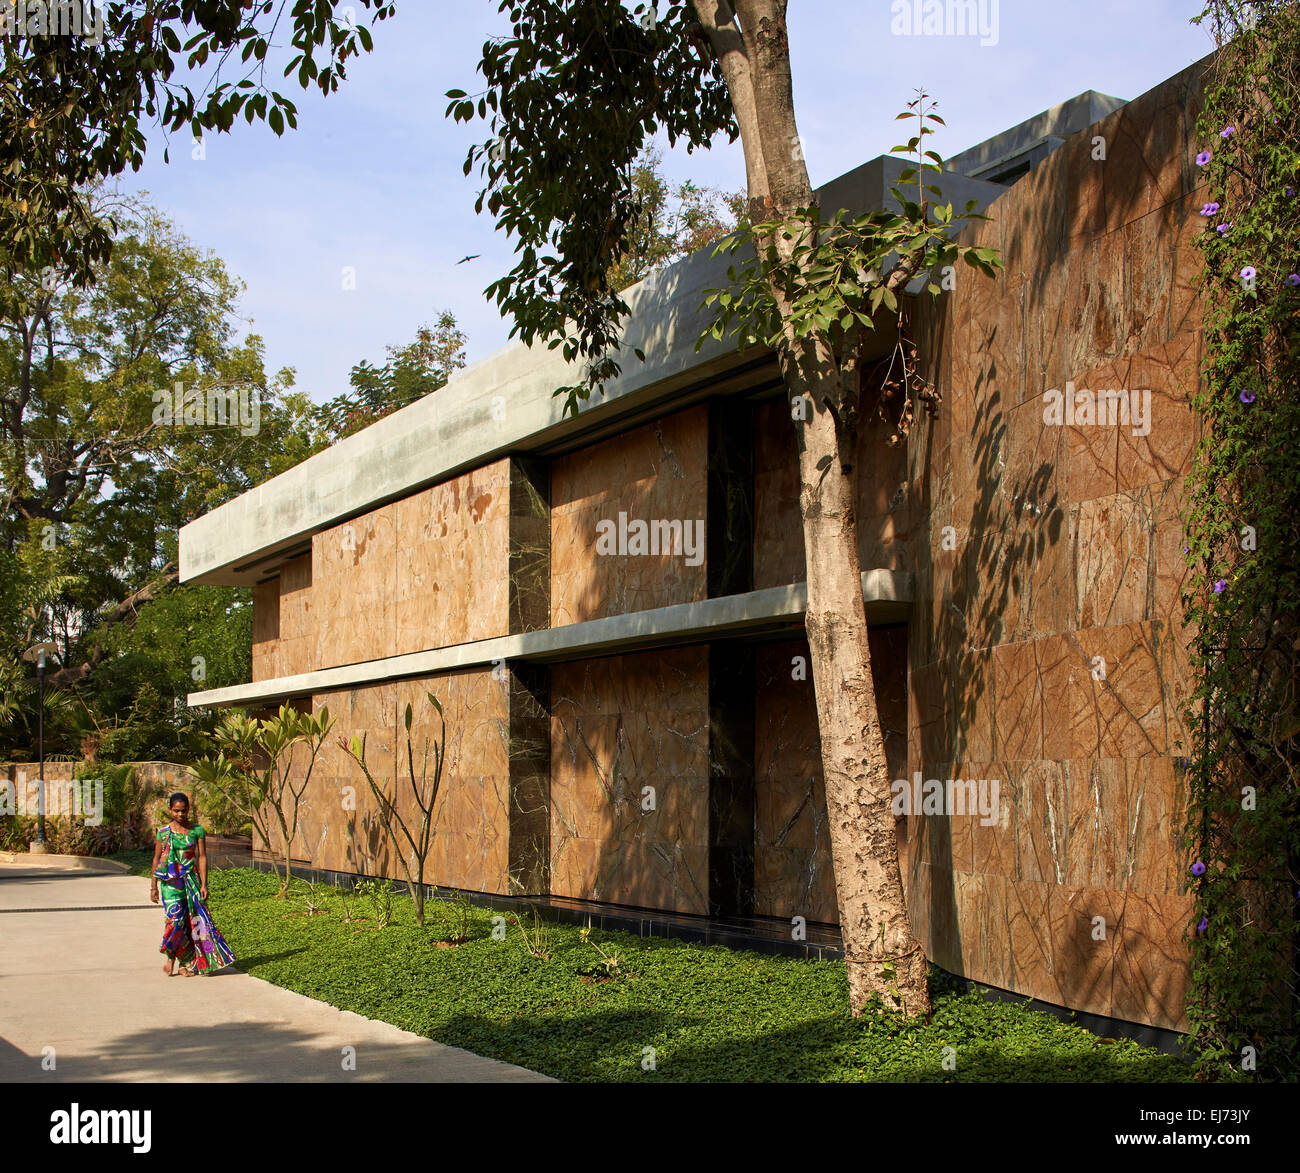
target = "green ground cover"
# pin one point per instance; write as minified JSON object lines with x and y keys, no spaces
{"x":709,"y":1013}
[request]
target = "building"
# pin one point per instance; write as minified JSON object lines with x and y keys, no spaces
{"x":1021,"y":574}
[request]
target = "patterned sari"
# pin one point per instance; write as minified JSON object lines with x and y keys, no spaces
{"x":190,"y":935}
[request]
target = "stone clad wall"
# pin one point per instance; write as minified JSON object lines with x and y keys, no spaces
{"x":1047,"y":650}
{"x":282,"y":632}
{"x":424,"y":572}
{"x":339,"y":828}
{"x":655,"y":472}
{"x":266,"y":630}
{"x":883,"y":504}
{"x":619,"y":724}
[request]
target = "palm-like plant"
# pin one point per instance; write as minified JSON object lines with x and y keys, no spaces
{"x":253,"y":766}
{"x":425,"y":793}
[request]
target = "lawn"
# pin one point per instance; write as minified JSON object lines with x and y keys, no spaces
{"x":139,"y":860}
{"x":710,"y":1014}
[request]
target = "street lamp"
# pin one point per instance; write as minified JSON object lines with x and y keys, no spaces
{"x":38,"y":844}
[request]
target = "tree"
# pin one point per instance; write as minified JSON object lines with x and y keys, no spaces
{"x":96,"y":477}
{"x":673,"y":222}
{"x":250,"y":766}
{"x":424,"y":793}
{"x":412,"y":371}
{"x":71,"y":107}
{"x":572,"y":96}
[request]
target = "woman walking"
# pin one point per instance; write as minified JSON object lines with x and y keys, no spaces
{"x":189,"y":937}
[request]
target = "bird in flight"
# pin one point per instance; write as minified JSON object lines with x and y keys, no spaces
{"x":475,"y":257}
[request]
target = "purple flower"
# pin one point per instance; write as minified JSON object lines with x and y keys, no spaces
{"x":1220,"y":587}
{"x":1248,"y":273}
{"x":1198,"y":868}
{"x":1224,"y":227}
{"x":1293,"y":280}
{"x":1247,"y":397}
{"x":1288,"y":191}
{"x":1227,"y":131}
{"x":1203,"y":158}
{"x":1205,"y":924}
{"x":1210,"y":209}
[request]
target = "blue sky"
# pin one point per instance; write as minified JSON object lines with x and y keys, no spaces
{"x":372,"y":178}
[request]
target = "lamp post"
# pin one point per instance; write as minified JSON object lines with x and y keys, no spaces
{"x":38,"y":843}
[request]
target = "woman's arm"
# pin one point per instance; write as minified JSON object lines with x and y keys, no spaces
{"x":153,"y":880}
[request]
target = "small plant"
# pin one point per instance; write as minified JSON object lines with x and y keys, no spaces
{"x":253,"y":770}
{"x":460,"y":911}
{"x":538,"y":935}
{"x":608,"y":966}
{"x":346,"y":895}
{"x":380,"y":896}
{"x":314,"y":898}
{"x":419,"y":839}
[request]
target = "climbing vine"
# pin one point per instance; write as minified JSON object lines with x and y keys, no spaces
{"x":1242,"y":520}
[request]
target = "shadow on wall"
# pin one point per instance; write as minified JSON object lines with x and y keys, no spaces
{"x":630,"y":779}
{"x":1090,"y":279}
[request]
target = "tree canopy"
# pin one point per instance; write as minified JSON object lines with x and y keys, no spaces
{"x":74,"y":109}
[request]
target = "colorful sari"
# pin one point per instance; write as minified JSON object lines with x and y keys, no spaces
{"x":189,"y":935}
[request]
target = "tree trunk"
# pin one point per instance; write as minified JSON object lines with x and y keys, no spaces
{"x":882,"y":954}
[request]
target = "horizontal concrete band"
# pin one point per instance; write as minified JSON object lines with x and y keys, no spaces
{"x":887,"y":594}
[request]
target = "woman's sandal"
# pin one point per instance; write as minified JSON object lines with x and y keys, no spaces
{"x":188,"y":971}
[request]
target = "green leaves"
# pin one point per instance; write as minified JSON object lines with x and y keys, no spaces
{"x":73,"y":107}
{"x":574,"y":92}
{"x":1241,"y":614}
{"x":806,"y":277}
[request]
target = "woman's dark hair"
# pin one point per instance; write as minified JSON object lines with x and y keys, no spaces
{"x":185,"y":798}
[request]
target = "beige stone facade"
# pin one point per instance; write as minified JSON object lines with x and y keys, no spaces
{"x":1043,"y":648}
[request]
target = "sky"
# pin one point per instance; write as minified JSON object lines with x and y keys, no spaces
{"x":372,"y":179}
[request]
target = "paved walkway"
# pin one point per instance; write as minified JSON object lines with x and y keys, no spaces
{"x":80,"y":972}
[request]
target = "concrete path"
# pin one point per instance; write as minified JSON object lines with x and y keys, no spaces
{"x":88,"y":982}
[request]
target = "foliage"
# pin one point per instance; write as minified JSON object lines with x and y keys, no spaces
{"x":255,"y":765}
{"x":575,"y":92}
{"x":138,"y":860}
{"x":73,"y":110}
{"x":712,"y":1014}
{"x":673,"y":222}
{"x":537,"y":934}
{"x":607,"y":965}
{"x":95,"y":481}
{"x":1242,"y":602}
{"x":130,"y":804}
{"x":21,"y":712}
{"x":412,"y":371}
{"x":379,"y":895}
{"x":833,"y":278}
{"x":64,"y":835}
{"x":424,"y":793}
{"x":459,"y":913}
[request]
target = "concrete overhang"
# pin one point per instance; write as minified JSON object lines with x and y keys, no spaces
{"x":887,"y":595}
{"x":1034,"y":139}
{"x":504,"y":404}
